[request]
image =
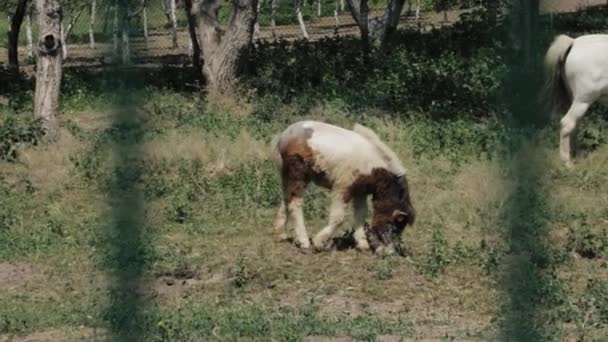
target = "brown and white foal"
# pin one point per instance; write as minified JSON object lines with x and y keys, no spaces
{"x":352,"y":164}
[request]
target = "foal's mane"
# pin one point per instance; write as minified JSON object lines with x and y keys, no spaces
{"x":394,"y":163}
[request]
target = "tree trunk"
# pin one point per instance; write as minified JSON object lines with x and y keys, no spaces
{"x":418,"y":13}
{"x":342,"y":6}
{"x":301,"y":19}
{"x":337,"y":21}
{"x":13,"y":34}
{"x":256,"y":27}
{"x":48,"y":72}
{"x":173,"y":25}
{"x":92,"y":24}
{"x":194,"y":42}
{"x":67,"y":32}
{"x":273,"y":11}
{"x":115,"y":30}
{"x":64,"y":47}
{"x":377,"y":30}
{"x":144,"y":18}
{"x":124,"y":48}
{"x":360,"y":13}
{"x":28,"y":35}
{"x":223,"y":51}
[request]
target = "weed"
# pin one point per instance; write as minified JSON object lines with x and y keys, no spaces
{"x":241,"y":273}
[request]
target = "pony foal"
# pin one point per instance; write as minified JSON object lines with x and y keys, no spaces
{"x":576,"y":77}
{"x":352,"y":164}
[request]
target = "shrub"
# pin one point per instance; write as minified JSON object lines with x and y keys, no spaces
{"x":15,"y":131}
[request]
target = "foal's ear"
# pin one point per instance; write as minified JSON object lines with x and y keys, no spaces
{"x":400,"y":218}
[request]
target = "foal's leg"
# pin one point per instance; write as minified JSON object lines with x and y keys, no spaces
{"x":296,"y":213}
{"x":336,"y":218}
{"x":360,"y":213}
{"x":294,"y":187}
{"x":568,"y":125}
{"x":280,"y":221}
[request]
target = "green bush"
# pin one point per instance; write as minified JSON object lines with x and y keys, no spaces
{"x":16,"y":130}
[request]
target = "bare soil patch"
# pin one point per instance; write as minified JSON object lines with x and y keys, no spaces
{"x":17,"y":275}
{"x":53,"y":335}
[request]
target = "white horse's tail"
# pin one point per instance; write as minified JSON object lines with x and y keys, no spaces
{"x":370,"y":135}
{"x":555,"y":94}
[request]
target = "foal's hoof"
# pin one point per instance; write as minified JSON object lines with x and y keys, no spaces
{"x":305,"y":251}
{"x":322,"y":248}
{"x":281,"y":237}
{"x":569,"y":164}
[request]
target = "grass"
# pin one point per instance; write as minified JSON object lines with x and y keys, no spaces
{"x":150,"y":219}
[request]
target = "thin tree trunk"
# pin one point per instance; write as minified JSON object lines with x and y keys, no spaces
{"x":28,"y":35}
{"x":124,"y":49}
{"x":194,"y":42}
{"x":115,"y":30}
{"x":360,"y":14}
{"x":13,"y":34}
{"x":92,"y":24}
{"x":166,"y":10}
{"x":48,"y":72}
{"x":67,"y":32}
{"x":318,"y":8}
{"x":301,"y":19}
{"x":256,"y":27}
{"x":336,"y":16}
{"x":144,"y":18}
{"x":173,"y":24}
{"x":64,"y":47}
{"x":418,"y":13}
{"x":273,"y":11}
{"x":342,"y":6}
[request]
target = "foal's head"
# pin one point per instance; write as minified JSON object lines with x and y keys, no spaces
{"x":393,"y":211}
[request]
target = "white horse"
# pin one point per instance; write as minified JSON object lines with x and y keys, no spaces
{"x":352,"y":164}
{"x":576,"y":77}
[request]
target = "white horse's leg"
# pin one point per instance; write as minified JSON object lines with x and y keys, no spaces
{"x":360,"y":213}
{"x":296,"y":213}
{"x":336,"y":217}
{"x":568,"y":125}
{"x":280,"y":222}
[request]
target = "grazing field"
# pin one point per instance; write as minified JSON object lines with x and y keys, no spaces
{"x":171,"y":198}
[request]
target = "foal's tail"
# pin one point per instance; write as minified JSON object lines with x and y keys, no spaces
{"x":555,"y":95}
{"x":276,"y":154}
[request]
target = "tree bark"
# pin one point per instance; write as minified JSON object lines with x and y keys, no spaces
{"x":301,"y":19}
{"x":48,"y":72}
{"x":92,"y":24}
{"x":13,"y":34}
{"x":223,"y":51}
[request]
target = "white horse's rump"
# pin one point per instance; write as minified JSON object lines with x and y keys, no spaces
{"x":352,"y":164}
{"x":576,"y":77}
